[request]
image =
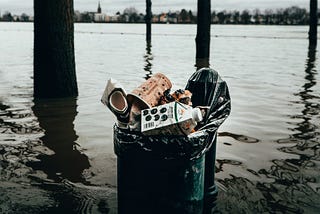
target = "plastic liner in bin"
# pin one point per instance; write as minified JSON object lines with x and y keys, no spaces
{"x":128,"y":143}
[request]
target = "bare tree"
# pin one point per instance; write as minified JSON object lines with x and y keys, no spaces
{"x":54,"y":60}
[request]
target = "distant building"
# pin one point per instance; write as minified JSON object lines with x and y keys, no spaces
{"x":15,"y":18}
{"x":163,"y":18}
{"x":115,"y":18}
{"x":172,"y":17}
{"x":99,"y":16}
{"x":155,"y":18}
{"x":99,"y":8}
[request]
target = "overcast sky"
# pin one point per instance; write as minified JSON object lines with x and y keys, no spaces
{"x":112,"y":6}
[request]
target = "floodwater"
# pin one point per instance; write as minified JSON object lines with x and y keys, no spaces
{"x":56,"y":156}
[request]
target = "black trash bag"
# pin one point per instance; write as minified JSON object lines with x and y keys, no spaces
{"x":208,"y":89}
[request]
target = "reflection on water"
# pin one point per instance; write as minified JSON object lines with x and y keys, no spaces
{"x":148,"y":57}
{"x":30,"y":154}
{"x":307,"y":130}
{"x":290,"y":185}
{"x":297,"y":179}
{"x":307,"y":134}
{"x":78,"y":198}
{"x":56,"y":118}
{"x":18,"y":141}
{"x":239,"y":137}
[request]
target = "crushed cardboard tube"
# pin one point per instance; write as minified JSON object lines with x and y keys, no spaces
{"x":114,"y":97}
{"x":118,"y":102}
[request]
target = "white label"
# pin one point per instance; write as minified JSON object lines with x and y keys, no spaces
{"x":149,"y":125}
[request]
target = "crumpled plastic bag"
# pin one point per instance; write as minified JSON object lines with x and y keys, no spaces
{"x":208,"y":89}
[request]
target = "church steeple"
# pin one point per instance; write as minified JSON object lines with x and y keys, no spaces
{"x":99,"y":8}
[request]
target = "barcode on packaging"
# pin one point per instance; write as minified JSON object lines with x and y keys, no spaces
{"x":149,"y":125}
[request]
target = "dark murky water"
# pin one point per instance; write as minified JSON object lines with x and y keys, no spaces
{"x":56,"y":156}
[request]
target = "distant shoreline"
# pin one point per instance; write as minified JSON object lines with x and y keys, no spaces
{"x":288,"y":16}
{"x":253,"y":24}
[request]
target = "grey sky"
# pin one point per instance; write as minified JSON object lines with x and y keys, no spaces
{"x":112,"y":6}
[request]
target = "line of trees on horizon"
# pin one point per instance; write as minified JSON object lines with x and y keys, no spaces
{"x":289,"y":16}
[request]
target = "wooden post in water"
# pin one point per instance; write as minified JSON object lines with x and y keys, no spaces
{"x":203,"y":34}
{"x":54,"y":60}
{"x":313,"y":23}
{"x":148,"y":20}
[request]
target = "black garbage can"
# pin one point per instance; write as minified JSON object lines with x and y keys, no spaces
{"x":160,"y":174}
{"x":173,"y":174}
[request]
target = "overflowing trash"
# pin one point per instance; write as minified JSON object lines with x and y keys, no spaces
{"x":152,"y":109}
{"x":165,"y":142}
{"x":167,"y":124}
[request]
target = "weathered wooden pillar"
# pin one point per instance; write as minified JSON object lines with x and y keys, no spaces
{"x":54,"y":60}
{"x":313,"y":23}
{"x":148,"y":20}
{"x":203,"y":34}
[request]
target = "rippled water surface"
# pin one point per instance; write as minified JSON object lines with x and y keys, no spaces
{"x":57,"y":155}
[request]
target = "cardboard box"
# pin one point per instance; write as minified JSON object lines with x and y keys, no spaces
{"x":170,"y":119}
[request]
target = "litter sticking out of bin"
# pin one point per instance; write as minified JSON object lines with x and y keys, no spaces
{"x":180,"y":95}
{"x":170,"y":119}
{"x":152,"y":97}
{"x":145,"y":96}
{"x":151,"y":90}
{"x":114,"y":97}
{"x":151,"y":108}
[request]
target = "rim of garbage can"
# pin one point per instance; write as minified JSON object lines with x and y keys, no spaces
{"x":160,"y":146}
